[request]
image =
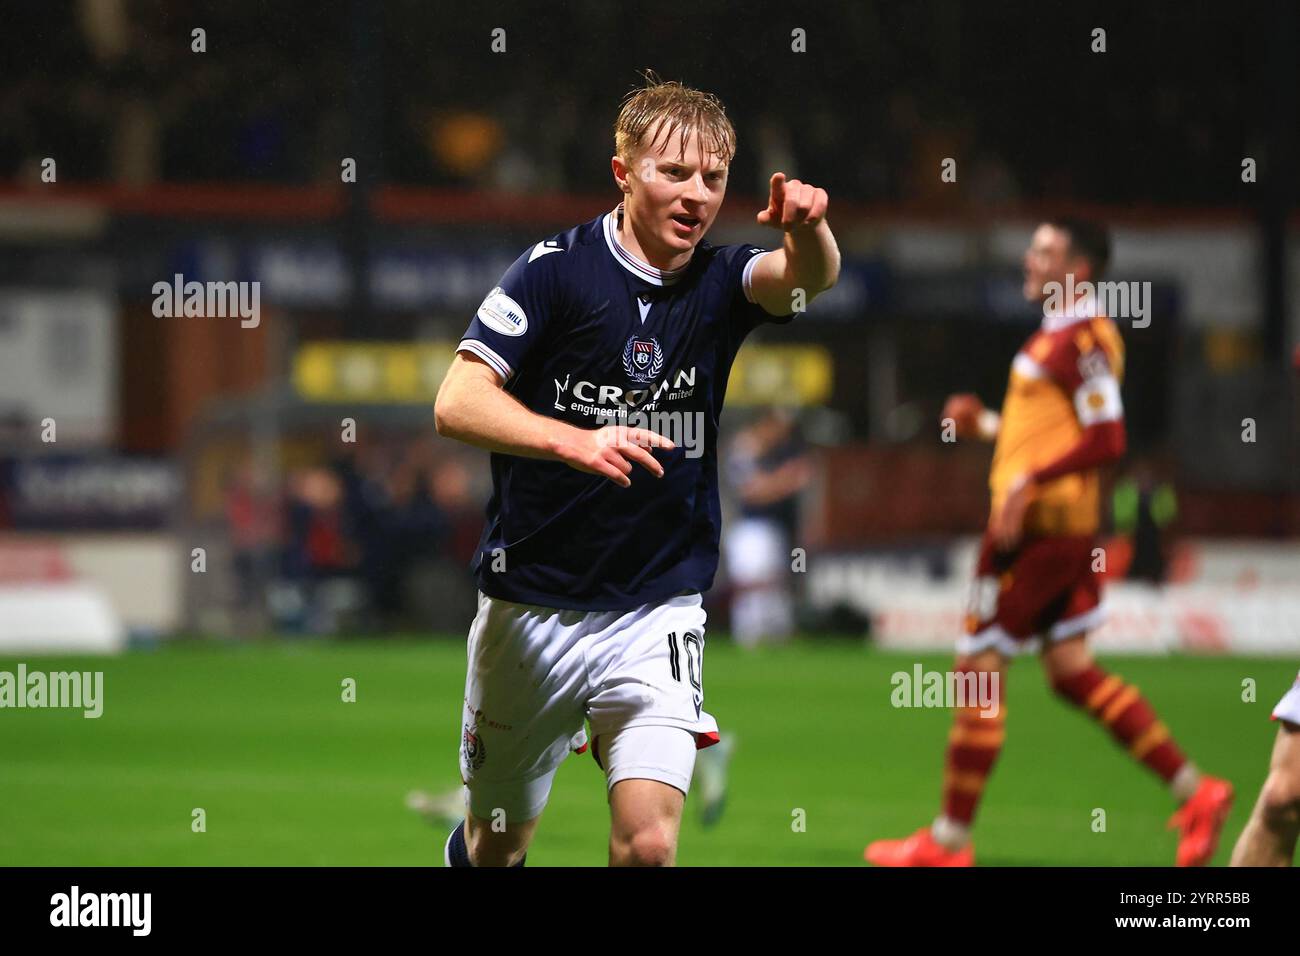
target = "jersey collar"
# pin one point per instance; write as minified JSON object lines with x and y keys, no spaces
{"x":633,"y":264}
{"x":1080,"y":311}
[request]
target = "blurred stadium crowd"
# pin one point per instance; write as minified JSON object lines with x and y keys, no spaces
{"x":885,"y":92}
{"x":376,"y":540}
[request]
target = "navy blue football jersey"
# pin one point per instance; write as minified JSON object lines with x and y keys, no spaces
{"x":583,"y":331}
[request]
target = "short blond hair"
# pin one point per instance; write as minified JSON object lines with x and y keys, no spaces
{"x":680,"y":108}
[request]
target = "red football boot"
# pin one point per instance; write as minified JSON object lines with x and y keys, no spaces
{"x":1201,"y":819}
{"x":920,"y":849}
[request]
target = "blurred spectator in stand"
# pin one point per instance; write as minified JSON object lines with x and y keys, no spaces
{"x":252,"y":514}
{"x":461,"y":507}
{"x":418,"y":533}
{"x":318,"y":557}
{"x":1143,"y":506}
{"x":366,"y":522}
{"x":422,"y":527}
{"x":441,"y":587}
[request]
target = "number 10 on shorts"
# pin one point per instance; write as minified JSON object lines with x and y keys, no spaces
{"x":694,"y":653}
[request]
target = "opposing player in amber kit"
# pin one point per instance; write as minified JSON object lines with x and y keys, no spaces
{"x":1061,"y":421}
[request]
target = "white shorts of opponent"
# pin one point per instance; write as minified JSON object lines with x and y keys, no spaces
{"x":1288,"y":708}
{"x":536,"y":673}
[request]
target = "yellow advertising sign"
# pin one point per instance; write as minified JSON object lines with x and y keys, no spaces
{"x":403,"y":373}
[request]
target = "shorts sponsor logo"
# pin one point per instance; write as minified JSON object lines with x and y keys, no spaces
{"x":475,"y":752}
{"x":500,"y":313}
{"x":471,"y":744}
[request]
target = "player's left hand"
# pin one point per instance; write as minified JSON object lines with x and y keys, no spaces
{"x":1008,"y":522}
{"x":793,"y":205}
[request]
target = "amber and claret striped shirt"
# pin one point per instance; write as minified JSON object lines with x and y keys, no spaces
{"x":1065,"y":378}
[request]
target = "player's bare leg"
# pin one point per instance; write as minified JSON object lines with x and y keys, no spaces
{"x":974,"y":743}
{"x":645,"y":818}
{"x":502,"y":844}
{"x":1121,"y":707}
{"x":1269,"y":838}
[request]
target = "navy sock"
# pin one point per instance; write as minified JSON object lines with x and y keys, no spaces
{"x":458,"y":852}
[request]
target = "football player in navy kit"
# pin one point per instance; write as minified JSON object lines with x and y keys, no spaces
{"x":602,"y":534}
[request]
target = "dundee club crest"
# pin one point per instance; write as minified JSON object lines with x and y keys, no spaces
{"x":472,"y":751}
{"x":643,"y":359}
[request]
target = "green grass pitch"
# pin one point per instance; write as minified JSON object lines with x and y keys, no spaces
{"x":289,"y":774}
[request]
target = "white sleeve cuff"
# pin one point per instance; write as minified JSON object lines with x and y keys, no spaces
{"x":485,"y":352}
{"x":746,"y":277}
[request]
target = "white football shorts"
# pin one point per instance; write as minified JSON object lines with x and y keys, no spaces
{"x":536,"y":673}
{"x":1288,"y":708}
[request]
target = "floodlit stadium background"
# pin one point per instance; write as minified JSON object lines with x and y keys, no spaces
{"x":204,"y":526}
